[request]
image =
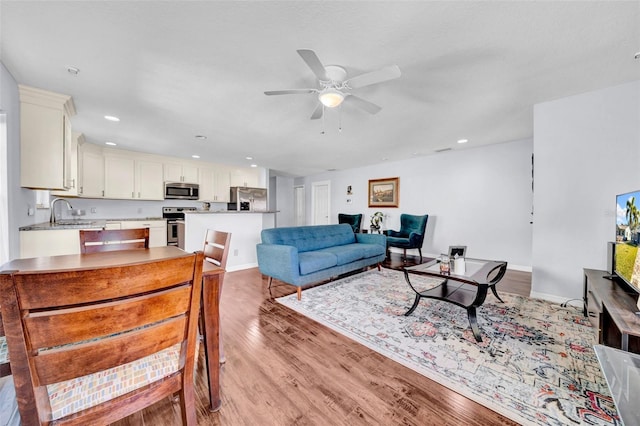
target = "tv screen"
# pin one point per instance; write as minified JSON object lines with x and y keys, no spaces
{"x":626,"y":260}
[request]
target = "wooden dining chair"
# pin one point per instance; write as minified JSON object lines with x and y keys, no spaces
{"x":216,"y":251}
{"x":5,"y":367}
{"x":92,"y":241}
{"x":92,"y":346}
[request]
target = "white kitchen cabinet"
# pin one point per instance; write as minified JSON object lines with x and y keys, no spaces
{"x":130,"y":177}
{"x":49,"y":242}
{"x":148,"y":180}
{"x":157,"y":230}
{"x":119,"y":177}
{"x":180,"y":172}
{"x":45,"y":139}
{"x":71,"y":164}
{"x":244,"y":176}
{"x":90,"y":171}
{"x":214,"y":183}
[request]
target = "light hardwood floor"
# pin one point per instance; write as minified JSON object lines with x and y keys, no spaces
{"x":285,"y":369}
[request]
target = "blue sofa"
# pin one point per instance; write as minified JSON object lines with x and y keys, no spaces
{"x":303,"y":255}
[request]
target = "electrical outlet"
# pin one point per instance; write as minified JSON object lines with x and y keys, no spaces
{"x":235,"y":252}
{"x":30,"y":211}
{"x":93,"y":209}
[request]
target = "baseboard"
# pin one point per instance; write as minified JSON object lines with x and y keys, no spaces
{"x":578,"y":303}
{"x":241,"y":267}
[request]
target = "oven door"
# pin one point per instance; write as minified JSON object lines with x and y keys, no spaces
{"x":172,"y":232}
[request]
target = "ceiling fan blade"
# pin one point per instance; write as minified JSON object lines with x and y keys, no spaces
{"x":290,"y":92}
{"x":310,"y":57}
{"x":370,"y":107}
{"x":318,"y":112}
{"x":383,"y":74}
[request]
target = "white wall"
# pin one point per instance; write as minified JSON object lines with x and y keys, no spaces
{"x":587,"y":150}
{"x":478,"y":197}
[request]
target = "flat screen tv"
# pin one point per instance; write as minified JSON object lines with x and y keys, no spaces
{"x":626,"y":264}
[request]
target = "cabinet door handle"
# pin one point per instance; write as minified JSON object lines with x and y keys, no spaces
{"x":103,"y":192}
{"x":81,"y":189}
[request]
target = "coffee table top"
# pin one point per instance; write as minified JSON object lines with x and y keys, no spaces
{"x":477,"y":271}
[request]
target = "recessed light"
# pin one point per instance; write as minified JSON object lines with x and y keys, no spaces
{"x":254,"y":165}
{"x":201,"y":137}
{"x":249,"y":158}
{"x":73,"y":70}
{"x":111,"y":143}
{"x":195,"y":156}
{"x":463,"y":140}
{"x":111,"y":118}
{"x":637,"y":56}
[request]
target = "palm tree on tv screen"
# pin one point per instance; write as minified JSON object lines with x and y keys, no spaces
{"x":633,"y":215}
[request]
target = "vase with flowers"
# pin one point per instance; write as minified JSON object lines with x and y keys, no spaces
{"x":376,"y":221}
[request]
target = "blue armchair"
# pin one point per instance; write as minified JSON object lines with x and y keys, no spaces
{"x":355,"y":220}
{"x":410,"y":235}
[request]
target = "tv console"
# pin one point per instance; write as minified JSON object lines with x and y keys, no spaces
{"x":612,"y":311}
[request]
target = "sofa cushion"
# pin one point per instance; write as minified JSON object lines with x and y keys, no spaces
{"x":309,"y":238}
{"x":346,"y":254}
{"x":312,"y":261}
{"x":371,"y":250}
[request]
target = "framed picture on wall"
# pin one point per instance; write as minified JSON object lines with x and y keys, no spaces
{"x":384,"y":192}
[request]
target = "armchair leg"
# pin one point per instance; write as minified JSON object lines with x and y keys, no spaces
{"x":420,"y":251}
{"x":404,"y":255}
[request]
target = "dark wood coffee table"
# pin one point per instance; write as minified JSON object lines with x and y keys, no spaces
{"x":467,"y":291}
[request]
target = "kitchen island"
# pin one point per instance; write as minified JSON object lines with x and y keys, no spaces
{"x":244,"y":226}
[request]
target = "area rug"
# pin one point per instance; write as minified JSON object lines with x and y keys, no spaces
{"x":535,"y":364}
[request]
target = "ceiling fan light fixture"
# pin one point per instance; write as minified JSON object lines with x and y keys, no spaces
{"x":331,"y":98}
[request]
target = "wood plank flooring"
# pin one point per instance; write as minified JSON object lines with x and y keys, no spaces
{"x":285,"y":369}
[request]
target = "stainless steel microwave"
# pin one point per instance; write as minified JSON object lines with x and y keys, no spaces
{"x":181,"y":191}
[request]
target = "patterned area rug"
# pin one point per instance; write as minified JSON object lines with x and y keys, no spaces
{"x":535,"y":365}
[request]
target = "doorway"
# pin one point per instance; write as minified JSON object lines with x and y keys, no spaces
{"x":320,"y":205}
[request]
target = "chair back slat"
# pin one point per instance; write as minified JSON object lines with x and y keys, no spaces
{"x":70,"y":361}
{"x":92,"y":241}
{"x":67,"y":326}
{"x":216,"y":247}
{"x":105,"y":283}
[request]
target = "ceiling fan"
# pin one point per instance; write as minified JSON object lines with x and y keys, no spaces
{"x":335,"y":86}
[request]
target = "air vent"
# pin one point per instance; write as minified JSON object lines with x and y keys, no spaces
{"x":443,"y":149}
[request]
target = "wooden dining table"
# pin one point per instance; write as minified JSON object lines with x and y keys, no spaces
{"x":210,"y":306}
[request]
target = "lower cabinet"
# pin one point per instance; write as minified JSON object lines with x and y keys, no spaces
{"x":49,"y":242}
{"x":157,"y":230}
{"x":57,"y":242}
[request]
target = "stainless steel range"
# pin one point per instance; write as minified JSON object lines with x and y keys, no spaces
{"x":173,"y":215}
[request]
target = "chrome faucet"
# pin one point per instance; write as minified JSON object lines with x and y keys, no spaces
{"x":53,"y":206}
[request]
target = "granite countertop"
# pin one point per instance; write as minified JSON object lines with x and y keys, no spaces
{"x":227,"y":212}
{"x":80,"y":223}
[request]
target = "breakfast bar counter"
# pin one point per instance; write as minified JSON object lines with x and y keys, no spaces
{"x":244,"y":226}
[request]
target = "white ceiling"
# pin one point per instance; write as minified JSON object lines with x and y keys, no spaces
{"x":175,"y":69}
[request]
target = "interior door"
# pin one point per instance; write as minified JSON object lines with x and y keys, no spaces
{"x":320,"y":204}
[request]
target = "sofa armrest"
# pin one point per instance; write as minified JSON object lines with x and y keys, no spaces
{"x":372,"y":239}
{"x":278,"y":261}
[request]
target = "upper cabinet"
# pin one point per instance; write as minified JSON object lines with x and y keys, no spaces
{"x":71,"y":164}
{"x":132,"y":177}
{"x":45,"y":139}
{"x":214,"y":183}
{"x":243,"y":176}
{"x":180,"y":172}
{"x":90,"y":171}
